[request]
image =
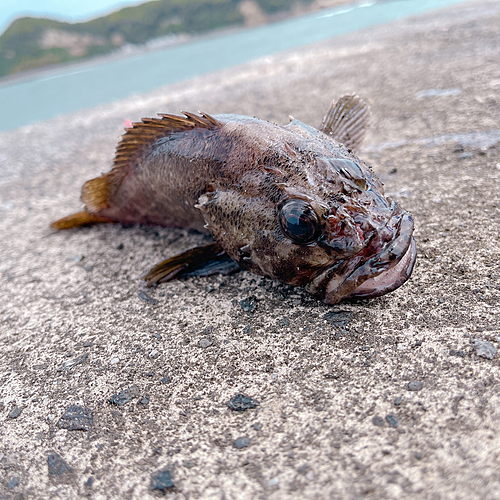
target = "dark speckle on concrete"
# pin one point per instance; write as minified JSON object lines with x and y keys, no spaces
{"x":124,"y":396}
{"x":415,"y":386}
{"x":458,"y":354}
{"x":392,"y":420}
{"x":76,"y":418}
{"x":398,"y":401}
{"x":248,"y":305}
{"x":242,"y":403}
{"x":89,"y":482}
{"x":147,"y":298}
{"x":162,"y":481}
{"x":338,"y":318}
{"x":242,"y":442}
{"x":57,"y":466}
{"x":15,"y":412}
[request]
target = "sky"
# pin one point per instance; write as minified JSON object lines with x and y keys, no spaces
{"x":66,"y":10}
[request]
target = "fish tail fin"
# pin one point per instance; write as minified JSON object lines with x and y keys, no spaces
{"x":79,"y":219}
{"x":96,"y":193}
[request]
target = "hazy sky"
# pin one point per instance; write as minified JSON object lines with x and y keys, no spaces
{"x":67,"y":10}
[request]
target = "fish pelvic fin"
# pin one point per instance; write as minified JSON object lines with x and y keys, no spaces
{"x":80,"y":219}
{"x":347,"y":121}
{"x":184,"y":263}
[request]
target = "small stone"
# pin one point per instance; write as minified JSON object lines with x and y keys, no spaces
{"x":378,"y":421}
{"x":242,"y":442}
{"x":124,"y":396}
{"x":338,"y":318}
{"x":166,"y":380}
{"x":484,"y":349}
{"x":89,"y":482}
{"x":398,"y":401}
{"x":392,"y":420}
{"x":466,"y":155}
{"x":248,"y":305}
{"x":162,"y":481}
{"x":303,"y":469}
{"x":13,"y":483}
{"x":147,"y":298}
{"x":415,"y":386}
{"x":153,"y":354}
{"x":15,"y":412}
{"x":418,"y":455}
{"x":114,"y":361}
{"x":458,"y":354}
{"x":57,"y":466}
{"x":241,"y":402}
{"x":273,"y":482}
{"x":120,"y":246}
{"x":68,"y":365}
{"x":204,"y":342}
{"x":257,"y":426}
{"x":76,"y":418}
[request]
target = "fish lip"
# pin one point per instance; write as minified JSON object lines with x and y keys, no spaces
{"x":377,"y":286}
{"x":399,"y":254}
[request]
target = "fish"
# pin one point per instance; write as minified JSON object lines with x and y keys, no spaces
{"x":292,"y":203}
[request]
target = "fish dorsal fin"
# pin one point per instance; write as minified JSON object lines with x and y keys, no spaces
{"x":96,"y":193}
{"x":347,"y":121}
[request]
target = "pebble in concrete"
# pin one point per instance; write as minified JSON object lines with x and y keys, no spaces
{"x":15,"y":412}
{"x":392,"y":420}
{"x":242,"y":442}
{"x":484,"y":349}
{"x":57,"y":466}
{"x":13,"y":483}
{"x":242,"y":403}
{"x":76,"y":418}
{"x":124,"y":396}
{"x":162,"y":481}
{"x":415,"y":386}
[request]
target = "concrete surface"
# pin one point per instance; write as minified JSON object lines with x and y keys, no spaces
{"x":337,"y":416}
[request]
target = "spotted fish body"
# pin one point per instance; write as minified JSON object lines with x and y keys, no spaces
{"x":289,"y":202}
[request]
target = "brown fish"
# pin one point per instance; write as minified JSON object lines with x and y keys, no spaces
{"x":288,"y":202}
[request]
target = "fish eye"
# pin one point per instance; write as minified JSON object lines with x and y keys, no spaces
{"x":299,"y":221}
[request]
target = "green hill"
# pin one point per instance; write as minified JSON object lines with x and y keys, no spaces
{"x":33,"y":42}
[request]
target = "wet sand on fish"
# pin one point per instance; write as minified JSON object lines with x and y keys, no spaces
{"x":389,"y":398}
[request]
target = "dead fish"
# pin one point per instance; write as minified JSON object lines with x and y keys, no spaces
{"x":290,"y":202}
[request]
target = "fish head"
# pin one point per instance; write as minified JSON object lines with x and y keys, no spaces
{"x":306,"y":211}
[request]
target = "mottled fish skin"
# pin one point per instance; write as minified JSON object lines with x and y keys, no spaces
{"x":249,"y":182}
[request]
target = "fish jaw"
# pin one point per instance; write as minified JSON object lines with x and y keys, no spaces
{"x":371,"y":277}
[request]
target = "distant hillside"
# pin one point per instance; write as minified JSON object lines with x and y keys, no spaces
{"x":31,"y":42}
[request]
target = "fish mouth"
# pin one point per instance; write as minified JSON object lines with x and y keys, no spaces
{"x":375,"y":274}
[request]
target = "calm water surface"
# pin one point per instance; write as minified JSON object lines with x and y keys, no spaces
{"x":85,"y":85}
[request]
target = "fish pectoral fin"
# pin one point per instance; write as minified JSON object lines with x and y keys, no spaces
{"x":80,"y":219}
{"x":347,"y":121}
{"x":202,"y":261}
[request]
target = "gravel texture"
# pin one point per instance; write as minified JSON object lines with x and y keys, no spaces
{"x":141,"y":379}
